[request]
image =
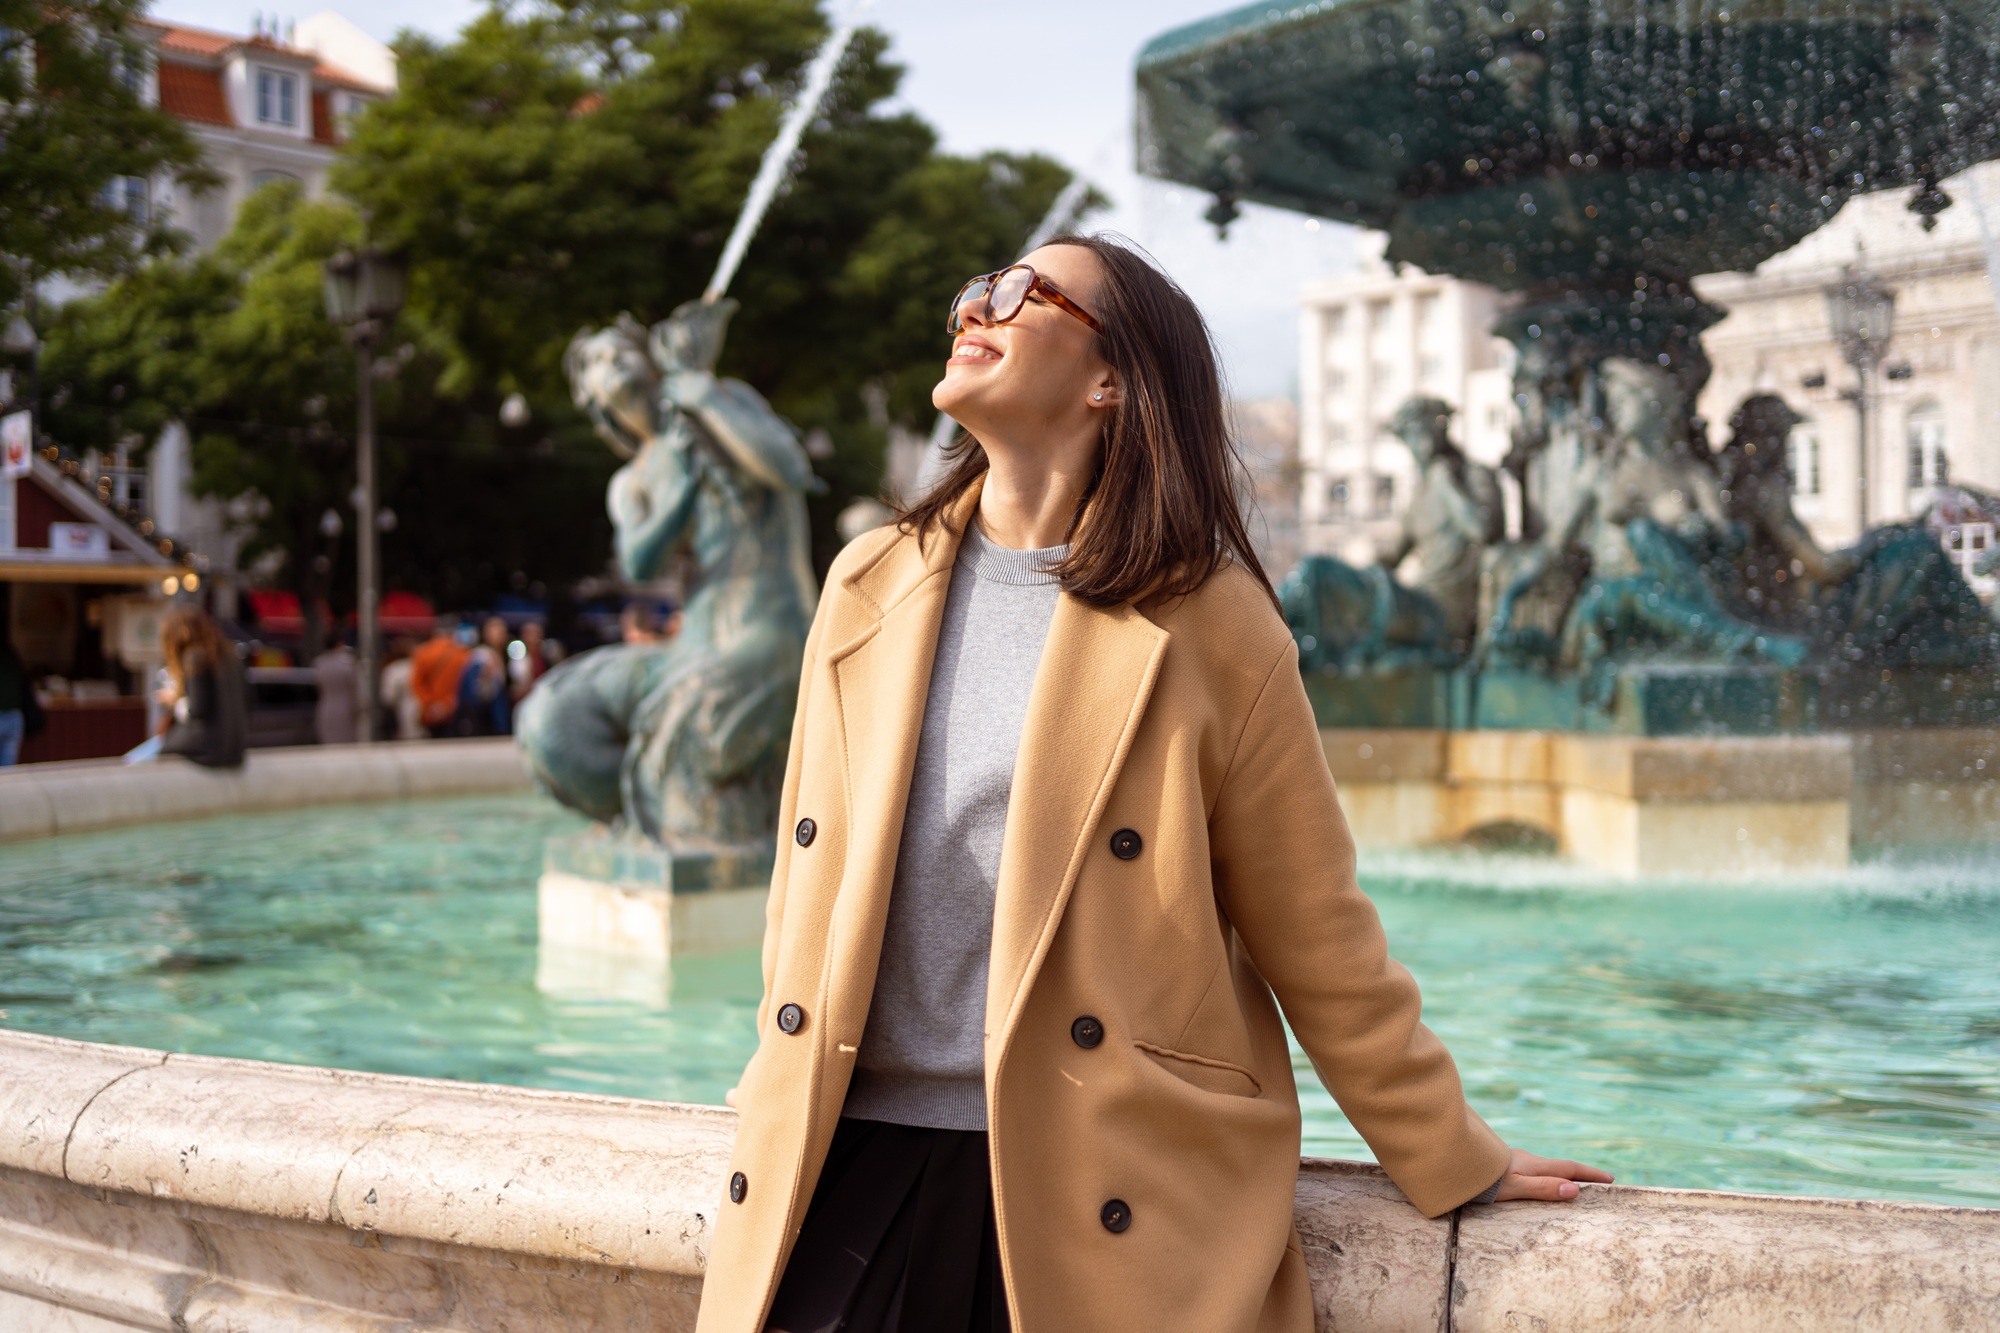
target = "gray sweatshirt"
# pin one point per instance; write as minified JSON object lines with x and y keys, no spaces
{"x":923,"y":1055}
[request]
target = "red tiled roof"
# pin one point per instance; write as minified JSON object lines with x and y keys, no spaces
{"x":195,"y":94}
{"x":197,"y":41}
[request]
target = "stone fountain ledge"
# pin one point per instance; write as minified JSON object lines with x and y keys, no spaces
{"x":145,"y":1190}
{"x":41,"y":800}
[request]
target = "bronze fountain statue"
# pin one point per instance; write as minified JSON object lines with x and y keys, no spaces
{"x":685,"y":740}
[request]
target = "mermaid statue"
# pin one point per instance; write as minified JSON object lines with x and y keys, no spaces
{"x":684,"y":741}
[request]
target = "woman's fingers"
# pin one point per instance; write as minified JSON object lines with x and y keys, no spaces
{"x":1553,"y":1179}
{"x":1527,"y":1164}
{"x":1554,"y":1189}
{"x":730,"y":1097}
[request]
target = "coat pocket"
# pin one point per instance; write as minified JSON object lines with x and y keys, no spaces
{"x":1203,"y":1072}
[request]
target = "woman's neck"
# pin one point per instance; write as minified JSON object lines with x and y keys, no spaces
{"x":1030,"y":497}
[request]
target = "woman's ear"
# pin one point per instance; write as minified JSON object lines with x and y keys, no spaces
{"x":1105,"y":393}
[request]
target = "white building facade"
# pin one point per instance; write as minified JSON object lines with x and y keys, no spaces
{"x":1369,"y":341}
{"x":267,"y":107}
{"x":1372,"y":339}
{"x":1934,"y":402}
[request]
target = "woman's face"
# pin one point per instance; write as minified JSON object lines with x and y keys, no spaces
{"x":1037,"y":371}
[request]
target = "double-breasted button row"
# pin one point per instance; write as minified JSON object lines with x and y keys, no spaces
{"x":1087,"y":1032}
{"x":790,"y":1018}
{"x":805,"y":832}
{"x":1116,"y":1214}
{"x":739,"y":1186}
{"x":1126,"y":844}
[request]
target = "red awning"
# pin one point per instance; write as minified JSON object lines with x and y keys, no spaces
{"x":406,"y":613}
{"x":278,"y":614}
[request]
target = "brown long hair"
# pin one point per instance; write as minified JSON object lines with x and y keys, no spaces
{"x":1161,"y":512}
{"x":190,"y":640}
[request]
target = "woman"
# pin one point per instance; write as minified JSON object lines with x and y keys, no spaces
{"x":1058,"y":825}
{"x":205,"y":690}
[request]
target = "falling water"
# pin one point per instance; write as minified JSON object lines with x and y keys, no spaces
{"x":778,"y":157}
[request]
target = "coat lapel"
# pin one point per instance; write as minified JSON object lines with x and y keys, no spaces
{"x":882,"y":674}
{"x":1096,"y":675}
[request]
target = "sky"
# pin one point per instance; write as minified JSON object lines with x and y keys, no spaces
{"x":1070,"y":95}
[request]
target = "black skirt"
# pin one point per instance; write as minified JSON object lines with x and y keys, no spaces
{"x":899,"y":1238}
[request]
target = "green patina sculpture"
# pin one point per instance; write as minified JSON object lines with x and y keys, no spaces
{"x":1591,"y":159}
{"x":685,"y":740}
{"x":1346,"y":618}
{"x":1892,"y":600}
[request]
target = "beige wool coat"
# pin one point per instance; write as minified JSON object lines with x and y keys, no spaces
{"x":1183,"y":722}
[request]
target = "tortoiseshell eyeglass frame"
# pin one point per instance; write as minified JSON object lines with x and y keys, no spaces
{"x":1036,"y":284}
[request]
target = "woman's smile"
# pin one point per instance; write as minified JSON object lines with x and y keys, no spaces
{"x":971,"y":347}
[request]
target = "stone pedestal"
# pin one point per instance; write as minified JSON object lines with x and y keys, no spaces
{"x":613,"y":911}
{"x":1634,"y":806}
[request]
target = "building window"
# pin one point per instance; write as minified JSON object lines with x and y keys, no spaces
{"x":1384,"y":499}
{"x":130,"y":195}
{"x":1431,"y":370}
{"x":1337,"y":498}
{"x":1429,"y":306}
{"x":1378,"y":317}
{"x":1336,"y":380}
{"x":1802,"y":457}
{"x":1336,"y":432}
{"x":1335,"y":325}
{"x":1929,"y":464}
{"x":277,"y":97}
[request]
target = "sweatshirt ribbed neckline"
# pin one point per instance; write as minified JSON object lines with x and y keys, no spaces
{"x":994,"y":563}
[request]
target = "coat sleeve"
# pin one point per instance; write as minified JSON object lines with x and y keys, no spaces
{"x":1284,"y":873}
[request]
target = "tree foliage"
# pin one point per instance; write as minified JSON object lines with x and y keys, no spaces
{"x":72,"y":123}
{"x":554,"y":165}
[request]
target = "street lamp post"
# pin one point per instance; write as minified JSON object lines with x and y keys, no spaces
{"x":364,"y":290}
{"x":1862,"y":313}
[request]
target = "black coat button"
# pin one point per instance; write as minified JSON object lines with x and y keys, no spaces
{"x":804,"y":832}
{"x":790,"y":1017}
{"x":1125,"y":844}
{"x":1086,"y":1032}
{"x":739,"y":1185}
{"x":1116,"y":1215}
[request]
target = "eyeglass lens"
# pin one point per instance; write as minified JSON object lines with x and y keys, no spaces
{"x":1005,"y":293}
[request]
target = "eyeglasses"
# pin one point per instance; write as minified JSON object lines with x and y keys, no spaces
{"x":1006,"y":294}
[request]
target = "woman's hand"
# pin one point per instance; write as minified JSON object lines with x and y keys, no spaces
{"x":1550,"y":1178}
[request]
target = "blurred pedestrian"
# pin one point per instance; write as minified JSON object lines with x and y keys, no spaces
{"x":531,"y":663}
{"x":17,"y":699}
{"x":399,"y":701}
{"x":210,"y":708}
{"x":336,"y":715}
{"x":639,"y":622}
{"x":485,"y":701}
{"x":435,"y":668}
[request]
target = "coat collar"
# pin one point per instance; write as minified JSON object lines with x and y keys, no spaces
{"x":1096,"y":676}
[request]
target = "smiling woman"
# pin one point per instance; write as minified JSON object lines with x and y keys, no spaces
{"x":1065,"y":839}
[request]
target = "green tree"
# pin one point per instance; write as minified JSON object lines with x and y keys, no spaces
{"x":554,"y":165}
{"x":561,"y":162}
{"x":75,"y":124}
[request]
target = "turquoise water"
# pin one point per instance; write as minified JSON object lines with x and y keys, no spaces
{"x":1840,"y":1037}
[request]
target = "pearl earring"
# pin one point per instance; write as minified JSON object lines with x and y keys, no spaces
{"x":1097,"y":398}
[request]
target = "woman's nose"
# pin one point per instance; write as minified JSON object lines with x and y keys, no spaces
{"x":976,"y":311}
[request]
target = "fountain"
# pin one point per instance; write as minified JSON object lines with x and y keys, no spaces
{"x":1590,"y":160}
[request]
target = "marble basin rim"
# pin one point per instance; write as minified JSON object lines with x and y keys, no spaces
{"x":145,"y":1189}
